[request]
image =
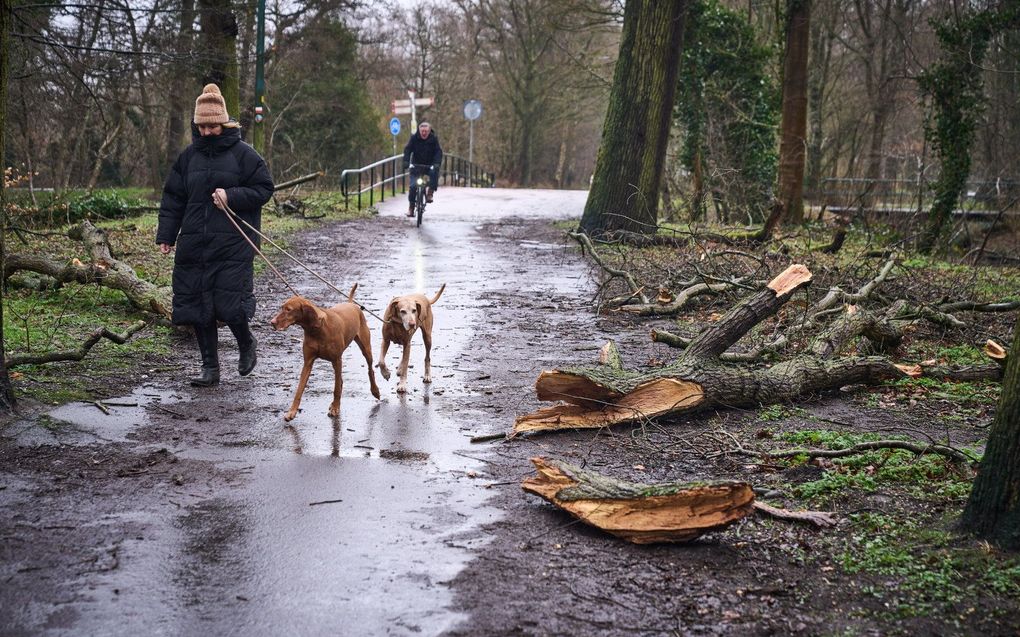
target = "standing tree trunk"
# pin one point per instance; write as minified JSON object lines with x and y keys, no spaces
{"x":152,"y":151}
{"x":954,"y":89}
{"x":180,"y":113}
{"x":219,"y":35}
{"x":628,"y":170}
{"x":822,"y":39}
{"x":993,"y":511}
{"x":6,"y":392}
{"x":789,"y":206}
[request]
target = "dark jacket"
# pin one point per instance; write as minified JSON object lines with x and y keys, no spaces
{"x":213,"y":274}
{"x":423,"y":151}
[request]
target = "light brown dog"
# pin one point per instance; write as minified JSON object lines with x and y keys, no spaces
{"x":403,"y":316}
{"x":327,"y":335}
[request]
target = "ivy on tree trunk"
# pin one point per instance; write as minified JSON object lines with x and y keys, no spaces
{"x":954,"y":91}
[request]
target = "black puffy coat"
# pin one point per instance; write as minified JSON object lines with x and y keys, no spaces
{"x":213,"y":275}
{"x":423,"y":151}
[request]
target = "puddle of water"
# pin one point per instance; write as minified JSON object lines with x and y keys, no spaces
{"x":84,"y":422}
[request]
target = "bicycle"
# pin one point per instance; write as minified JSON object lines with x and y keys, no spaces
{"x":420,"y":176}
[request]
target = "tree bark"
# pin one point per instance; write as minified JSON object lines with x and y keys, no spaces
{"x":993,"y":510}
{"x":6,"y":391}
{"x":219,"y":35}
{"x":641,"y":513}
{"x":822,"y":39}
{"x":180,"y":115}
{"x":789,"y":206}
{"x":629,"y":167}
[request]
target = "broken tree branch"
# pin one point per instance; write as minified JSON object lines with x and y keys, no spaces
{"x":818,"y":518}
{"x":640,"y":513}
{"x":299,"y":180}
{"x":79,"y":352}
{"x":955,"y":455}
{"x":685,"y":295}
{"x":698,"y":379}
{"x":103,"y":270}
{"x":972,"y":306}
{"x":586,"y":244}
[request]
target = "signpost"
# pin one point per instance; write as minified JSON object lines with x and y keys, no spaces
{"x":259,"y":128}
{"x":472,"y":111}
{"x":395,"y":130}
{"x":409,"y":107}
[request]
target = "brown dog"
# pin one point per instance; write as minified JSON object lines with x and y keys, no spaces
{"x":327,"y":335}
{"x":403,"y":316}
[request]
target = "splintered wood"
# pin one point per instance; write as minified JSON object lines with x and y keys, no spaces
{"x":790,"y":280}
{"x":592,"y":406}
{"x":641,"y":513}
{"x":996,"y":352}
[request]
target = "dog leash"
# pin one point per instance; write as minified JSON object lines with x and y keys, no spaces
{"x":231,"y":215}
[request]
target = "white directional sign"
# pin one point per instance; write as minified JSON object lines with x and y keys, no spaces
{"x":401,"y":107}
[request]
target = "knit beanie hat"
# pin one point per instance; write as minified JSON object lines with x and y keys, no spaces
{"x":210,"y":108}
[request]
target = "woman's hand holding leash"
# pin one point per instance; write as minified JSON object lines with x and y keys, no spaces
{"x":219,"y":199}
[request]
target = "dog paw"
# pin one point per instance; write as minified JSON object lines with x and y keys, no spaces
{"x":401,"y":389}
{"x":384,"y":372}
{"x":289,"y":416}
{"x":427,"y":380}
{"x":375,"y":392}
{"x":334,"y":411}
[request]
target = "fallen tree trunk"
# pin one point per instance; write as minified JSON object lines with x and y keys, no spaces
{"x":299,"y":180}
{"x":103,"y":270}
{"x":705,"y":374}
{"x":641,"y":513}
{"x":596,"y":397}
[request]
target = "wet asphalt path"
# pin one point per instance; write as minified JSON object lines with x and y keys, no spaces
{"x":398,"y":497}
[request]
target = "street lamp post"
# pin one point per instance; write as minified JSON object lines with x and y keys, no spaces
{"x":259,"y":128}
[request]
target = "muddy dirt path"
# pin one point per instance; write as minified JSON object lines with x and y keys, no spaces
{"x":189,"y":511}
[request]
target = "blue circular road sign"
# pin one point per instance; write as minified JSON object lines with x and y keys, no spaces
{"x":395,"y":126}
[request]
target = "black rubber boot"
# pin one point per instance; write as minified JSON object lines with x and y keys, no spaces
{"x":208,"y":340}
{"x":246,"y":346}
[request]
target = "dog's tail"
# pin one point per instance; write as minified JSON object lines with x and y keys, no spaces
{"x":350,"y":295}
{"x":438,"y":294}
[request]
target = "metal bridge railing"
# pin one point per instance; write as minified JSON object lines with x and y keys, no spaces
{"x":386,"y":174}
{"x":901,"y":197}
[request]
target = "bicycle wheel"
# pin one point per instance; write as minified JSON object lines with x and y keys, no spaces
{"x":420,"y":204}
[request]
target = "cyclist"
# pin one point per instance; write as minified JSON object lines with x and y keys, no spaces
{"x":423,"y":148}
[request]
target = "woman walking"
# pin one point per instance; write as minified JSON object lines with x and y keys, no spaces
{"x":213,"y":277}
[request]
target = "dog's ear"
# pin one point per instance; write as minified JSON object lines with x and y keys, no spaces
{"x":311,"y":316}
{"x":417,"y":306}
{"x":320,"y":316}
{"x":391,"y":311}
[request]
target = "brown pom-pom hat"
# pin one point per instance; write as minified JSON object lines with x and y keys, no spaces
{"x":210,"y":107}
